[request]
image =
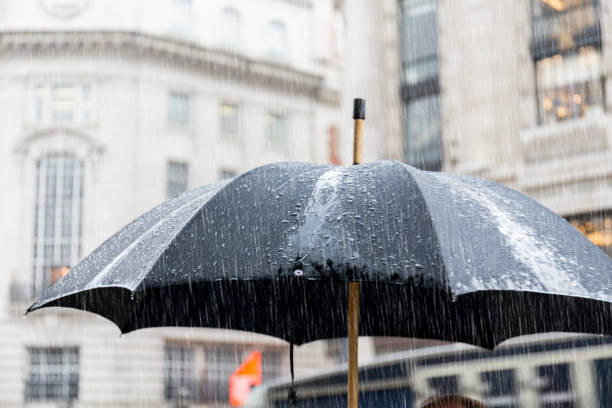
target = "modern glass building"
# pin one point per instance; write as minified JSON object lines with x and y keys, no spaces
{"x":420,"y":86}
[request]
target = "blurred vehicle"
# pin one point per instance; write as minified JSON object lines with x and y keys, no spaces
{"x":544,"y":371}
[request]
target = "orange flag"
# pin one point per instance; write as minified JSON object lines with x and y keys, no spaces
{"x":246,"y":376}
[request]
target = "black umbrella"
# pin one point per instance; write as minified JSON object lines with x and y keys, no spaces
{"x":437,"y":256}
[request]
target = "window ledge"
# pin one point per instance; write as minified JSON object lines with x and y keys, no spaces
{"x":571,"y":138}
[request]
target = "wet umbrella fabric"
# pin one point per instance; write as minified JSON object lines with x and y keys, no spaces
{"x":438,"y":256}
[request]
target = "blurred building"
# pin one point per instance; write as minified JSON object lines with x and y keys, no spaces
{"x":517,"y":92}
{"x":371,"y":70}
{"x":109,"y":108}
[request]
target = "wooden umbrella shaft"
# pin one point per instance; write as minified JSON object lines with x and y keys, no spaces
{"x":358,"y":142}
{"x":353,"y":287}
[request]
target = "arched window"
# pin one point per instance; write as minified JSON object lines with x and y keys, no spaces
{"x":231,"y":29}
{"x":57,"y":233}
{"x":277,"y":40}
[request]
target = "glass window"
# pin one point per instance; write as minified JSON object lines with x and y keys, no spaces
{"x":178,"y":109}
{"x":231,"y":29}
{"x":177,"y":178}
{"x":179,"y":374}
{"x":229,"y":121}
{"x":603,"y":374}
{"x":62,"y":103}
{"x":555,"y":385}
{"x":444,"y":385}
{"x":570,"y":86}
{"x":499,"y":388}
{"x":179,"y":18}
{"x":57,"y":233}
{"x":63,"y":98}
{"x":276,"y":129}
{"x":221,"y":362}
{"x":53,"y":374}
{"x":225,"y":174}
{"x":419,"y":40}
{"x":565,"y":24}
{"x":423,"y":148}
{"x":420,"y":90}
{"x":277,"y":40}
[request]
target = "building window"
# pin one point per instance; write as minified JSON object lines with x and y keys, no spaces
{"x":57,"y":234}
{"x":53,"y":374}
{"x":499,"y":388}
{"x":177,"y":178}
{"x":276,"y":130}
{"x":570,"y":86}
{"x":566,"y":48}
{"x":420,"y":40}
{"x":337,"y":350}
{"x":231,"y":29}
{"x":229,"y":121}
{"x":221,"y":362}
{"x":603,"y":372}
{"x":561,"y":26}
{"x":444,"y":385}
{"x":277,"y":40}
{"x":178,"y":109}
{"x":423,"y":132}
{"x":555,"y":385}
{"x":62,"y":102}
{"x":179,"y":18}
{"x":200,"y":373}
{"x":180,"y":382}
{"x":597,"y":228}
{"x":225,"y":174}
{"x":420,"y":88}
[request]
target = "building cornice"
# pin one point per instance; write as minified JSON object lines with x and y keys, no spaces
{"x":218,"y":63}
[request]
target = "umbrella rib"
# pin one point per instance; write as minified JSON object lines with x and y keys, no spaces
{"x":187,"y":222}
{"x":434,"y":227}
{"x":100,"y":275}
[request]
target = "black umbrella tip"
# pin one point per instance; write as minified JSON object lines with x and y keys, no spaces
{"x":34,"y":307}
{"x":359,"y":108}
{"x":29,"y":310}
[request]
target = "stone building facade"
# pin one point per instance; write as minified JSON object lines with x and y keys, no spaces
{"x":109,"y":107}
{"x":517,"y":92}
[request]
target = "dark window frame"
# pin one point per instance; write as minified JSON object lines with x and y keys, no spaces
{"x":425,"y":86}
{"x":42,"y":383}
{"x":542,"y":47}
{"x":58,"y":221}
{"x":546,"y":46}
{"x":180,"y":179}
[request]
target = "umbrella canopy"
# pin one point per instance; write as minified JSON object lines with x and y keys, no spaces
{"x":438,"y":256}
